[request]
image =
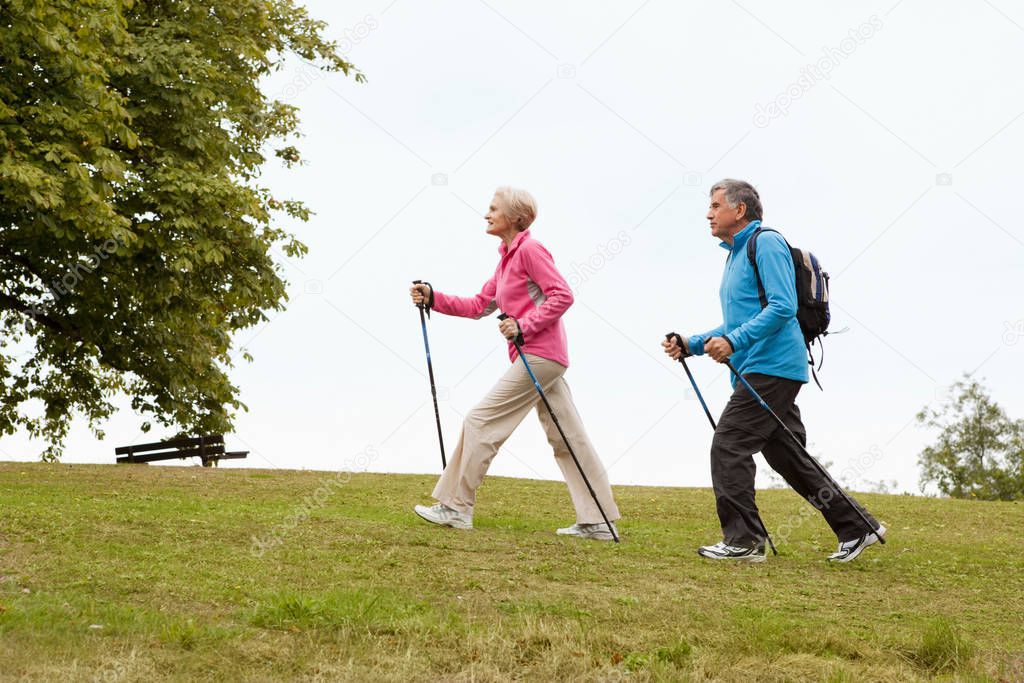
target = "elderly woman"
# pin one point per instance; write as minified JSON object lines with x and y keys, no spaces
{"x":527,"y":286}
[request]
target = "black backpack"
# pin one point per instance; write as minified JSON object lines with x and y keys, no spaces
{"x":811,"y":295}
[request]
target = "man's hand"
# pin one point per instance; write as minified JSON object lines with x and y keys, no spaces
{"x":718,"y":348}
{"x":509,"y":327}
{"x":420,"y":294}
{"x":672,"y":348}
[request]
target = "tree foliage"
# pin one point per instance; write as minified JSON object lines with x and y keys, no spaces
{"x":980,"y":450}
{"x":135,"y":237}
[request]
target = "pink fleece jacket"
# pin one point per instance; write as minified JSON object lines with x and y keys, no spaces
{"x":528,"y":287}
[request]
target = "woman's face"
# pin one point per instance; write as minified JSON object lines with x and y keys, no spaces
{"x":498,"y":222}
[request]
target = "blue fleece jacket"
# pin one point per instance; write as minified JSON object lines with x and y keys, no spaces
{"x":766,"y":341}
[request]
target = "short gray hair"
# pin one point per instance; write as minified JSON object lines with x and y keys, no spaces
{"x":740,"y":192}
{"x":519,"y":205}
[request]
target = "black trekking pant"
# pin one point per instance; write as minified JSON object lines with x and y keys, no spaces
{"x":746,"y":428}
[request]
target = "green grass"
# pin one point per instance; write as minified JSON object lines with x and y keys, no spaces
{"x":147,"y":573}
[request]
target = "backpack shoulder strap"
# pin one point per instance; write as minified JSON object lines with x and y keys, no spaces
{"x":752,"y":257}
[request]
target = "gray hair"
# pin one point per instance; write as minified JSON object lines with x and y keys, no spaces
{"x":740,"y":192}
{"x":519,"y":205}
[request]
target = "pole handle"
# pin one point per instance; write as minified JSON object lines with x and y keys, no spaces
{"x":430,"y":302}
{"x":674,"y":336}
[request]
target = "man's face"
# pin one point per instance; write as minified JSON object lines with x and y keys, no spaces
{"x":725,"y":220}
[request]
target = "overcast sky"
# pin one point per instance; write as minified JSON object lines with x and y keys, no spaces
{"x":883,"y":136}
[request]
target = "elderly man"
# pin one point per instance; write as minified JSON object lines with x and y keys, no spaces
{"x":766,"y":346}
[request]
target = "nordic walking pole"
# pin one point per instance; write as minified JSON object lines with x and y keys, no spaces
{"x":682,"y":359}
{"x":817,"y":465}
{"x":430,"y":371}
{"x":518,"y":340}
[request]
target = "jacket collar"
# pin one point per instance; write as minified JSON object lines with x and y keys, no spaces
{"x":516,"y":241}
{"x":742,"y":236}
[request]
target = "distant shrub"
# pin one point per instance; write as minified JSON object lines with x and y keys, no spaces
{"x":980,"y":451}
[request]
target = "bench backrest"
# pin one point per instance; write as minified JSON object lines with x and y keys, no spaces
{"x":207,"y":444}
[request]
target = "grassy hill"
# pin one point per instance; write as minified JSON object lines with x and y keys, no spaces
{"x":147,"y":573}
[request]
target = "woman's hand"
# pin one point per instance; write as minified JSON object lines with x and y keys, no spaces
{"x":509,"y":327}
{"x":672,"y":349}
{"x":420,"y":294}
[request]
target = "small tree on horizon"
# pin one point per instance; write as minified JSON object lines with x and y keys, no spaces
{"x":980,"y":450}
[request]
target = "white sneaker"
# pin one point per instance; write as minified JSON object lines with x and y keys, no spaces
{"x":849,"y":550}
{"x":443,"y":515}
{"x":596,"y":532}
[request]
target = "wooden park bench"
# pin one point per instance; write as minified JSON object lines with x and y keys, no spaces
{"x":210,"y":449}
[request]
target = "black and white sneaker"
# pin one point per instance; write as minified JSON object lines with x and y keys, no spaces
{"x":849,"y":550}
{"x":736,"y":553}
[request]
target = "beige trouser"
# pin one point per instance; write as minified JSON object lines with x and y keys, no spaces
{"x":493,"y":420}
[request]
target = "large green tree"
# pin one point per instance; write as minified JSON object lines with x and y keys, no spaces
{"x":135,"y":237}
{"x":980,"y":450}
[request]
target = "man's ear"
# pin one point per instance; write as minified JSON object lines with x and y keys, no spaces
{"x":744,"y":214}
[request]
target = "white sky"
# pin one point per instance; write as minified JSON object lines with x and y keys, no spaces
{"x":618,"y":116}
